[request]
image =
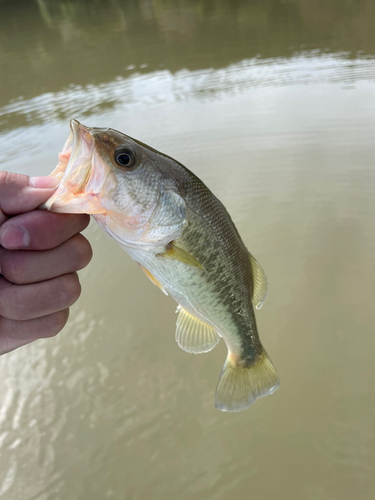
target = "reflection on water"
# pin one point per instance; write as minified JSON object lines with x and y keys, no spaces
{"x":76,"y":46}
{"x":163,"y":86}
{"x":272,"y":104}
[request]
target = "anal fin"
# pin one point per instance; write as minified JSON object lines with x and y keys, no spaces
{"x":194,"y":336}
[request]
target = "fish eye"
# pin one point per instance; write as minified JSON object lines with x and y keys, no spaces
{"x":125,"y":157}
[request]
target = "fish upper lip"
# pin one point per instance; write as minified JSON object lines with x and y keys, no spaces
{"x":79,"y":131}
{"x":75,"y":171}
{"x":74,"y":124}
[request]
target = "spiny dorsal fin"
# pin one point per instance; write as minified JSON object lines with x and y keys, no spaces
{"x":153,"y":279}
{"x":177,"y":253}
{"x":194,"y":336}
{"x":259,"y":283}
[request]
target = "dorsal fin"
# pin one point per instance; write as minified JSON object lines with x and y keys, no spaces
{"x":260,"y":285}
{"x":192,"y":335}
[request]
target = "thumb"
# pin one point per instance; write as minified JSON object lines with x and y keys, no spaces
{"x":20,"y":194}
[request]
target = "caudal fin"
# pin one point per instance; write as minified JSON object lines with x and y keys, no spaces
{"x":239,"y":387}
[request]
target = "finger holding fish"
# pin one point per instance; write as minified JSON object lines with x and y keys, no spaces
{"x":40,"y":253}
{"x":40,"y":230}
{"x":31,"y":301}
{"x":23,"y":267}
{"x":20,"y":194}
{"x":22,"y":332}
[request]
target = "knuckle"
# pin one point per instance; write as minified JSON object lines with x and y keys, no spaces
{"x":70,"y":289}
{"x":82,"y":251}
{"x":6,"y":299}
{"x":13,"y":267}
{"x":57,"y":322}
{"x":7,"y":178}
{"x":84,"y":221}
{"x":3,"y":176}
{"x":78,"y":222}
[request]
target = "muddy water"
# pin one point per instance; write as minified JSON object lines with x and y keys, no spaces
{"x":272,"y":104}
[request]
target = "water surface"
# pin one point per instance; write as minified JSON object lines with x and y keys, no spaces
{"x":272,"y":104}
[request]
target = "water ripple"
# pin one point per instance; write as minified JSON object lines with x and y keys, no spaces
{"x":163,"y":86}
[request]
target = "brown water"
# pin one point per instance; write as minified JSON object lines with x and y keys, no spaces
{"x":272,"y":104}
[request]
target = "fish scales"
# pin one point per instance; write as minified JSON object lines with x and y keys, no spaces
{"x":212,"y":238}
{"x":171,"y":224}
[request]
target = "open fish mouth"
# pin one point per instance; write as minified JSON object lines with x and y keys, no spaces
{"x":134,"y":206}
{"x":81,"y":182}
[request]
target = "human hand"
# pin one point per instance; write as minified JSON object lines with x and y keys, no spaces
{"x":40,"y":253}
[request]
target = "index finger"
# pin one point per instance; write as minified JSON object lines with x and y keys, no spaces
{"x":17,"y":194}
{"x":40,"y":230}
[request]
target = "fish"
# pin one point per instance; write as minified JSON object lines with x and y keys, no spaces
{"x":183,"y":238}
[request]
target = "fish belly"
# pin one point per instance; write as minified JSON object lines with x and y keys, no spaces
{"x":189,"y":287}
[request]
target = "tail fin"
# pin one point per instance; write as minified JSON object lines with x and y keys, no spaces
{"x":239,"y":387}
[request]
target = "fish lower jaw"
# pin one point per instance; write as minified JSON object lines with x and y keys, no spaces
{"x":64,"y":201}
{"x":130,"y":240}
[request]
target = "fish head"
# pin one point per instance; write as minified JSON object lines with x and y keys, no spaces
{"x":123,"y":183}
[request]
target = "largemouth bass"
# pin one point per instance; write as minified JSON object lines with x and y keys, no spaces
{"x":171,"y":224}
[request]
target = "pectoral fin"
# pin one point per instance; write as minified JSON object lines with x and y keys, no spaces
{"x":177,"y":253}
{"x":194,"y":336}
{"x":153,"y":279}
{"x":260,"y":285}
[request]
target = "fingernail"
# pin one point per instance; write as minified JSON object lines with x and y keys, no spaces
{"x":45,"y":182}
{"x":15,"y":237}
